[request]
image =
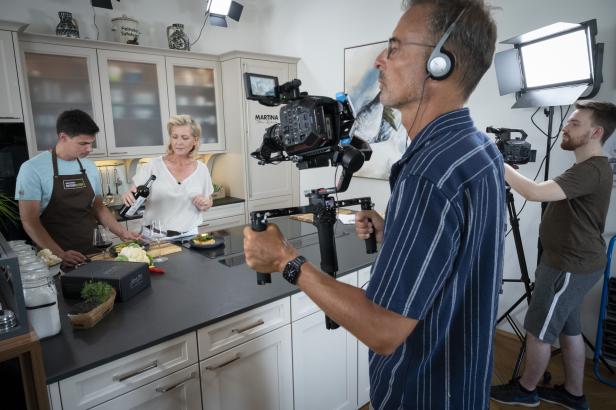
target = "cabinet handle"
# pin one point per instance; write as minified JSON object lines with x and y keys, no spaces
{"x":10,"y":118}
{"x":178,"y":384}
{"x":118,"y":153}
{"x":220,"y":366}
{"x":243,"y":329}
{"x":128,"y":375}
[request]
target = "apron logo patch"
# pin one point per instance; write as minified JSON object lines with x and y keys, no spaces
{"x":74,"y":183}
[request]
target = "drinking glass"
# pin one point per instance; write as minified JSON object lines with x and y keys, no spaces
{"x":100,"y":239}
{"x":158,"y":233}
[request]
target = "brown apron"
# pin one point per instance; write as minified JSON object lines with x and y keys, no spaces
{"x":69,"y":216}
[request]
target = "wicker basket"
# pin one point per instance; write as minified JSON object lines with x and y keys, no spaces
{"x":89,"y":319}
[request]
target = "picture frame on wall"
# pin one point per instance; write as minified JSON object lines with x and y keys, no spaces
{"x":380,"y":126}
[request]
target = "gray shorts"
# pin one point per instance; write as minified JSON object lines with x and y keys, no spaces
{"x":556,"y":302}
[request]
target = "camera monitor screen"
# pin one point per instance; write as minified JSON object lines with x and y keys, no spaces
{"x":259,"y":86}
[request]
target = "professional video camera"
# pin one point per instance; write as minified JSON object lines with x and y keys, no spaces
{"x":515,"y":151}
{"x":313,"y":132}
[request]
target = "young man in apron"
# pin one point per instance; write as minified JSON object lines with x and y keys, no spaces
{"x":59,"y":193}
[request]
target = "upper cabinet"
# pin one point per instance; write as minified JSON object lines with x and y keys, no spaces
{"x":61,"y":78}
{"x":10,"y":103}
{"x":195,"y":89}
{"x":135,"y":105}
{"x":130,"y":91}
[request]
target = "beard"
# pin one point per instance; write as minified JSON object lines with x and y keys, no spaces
{"x":572,"y":143}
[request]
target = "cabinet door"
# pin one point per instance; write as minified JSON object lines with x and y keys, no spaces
{"x":195,"y":88}
{"x":324,"y":365}
{"x":10,"y":103}
{"x":61,"y":78}
{"x":134,"y":92}
{"x":265,"y":181}
{"x":363,"y":378}
{"x":256,"y":375}
{"x":178,"y":391}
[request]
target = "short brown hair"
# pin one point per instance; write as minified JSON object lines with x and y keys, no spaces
{"x":472,"y":41}
{"x":180,"y":120}
{"x":602,"y":114}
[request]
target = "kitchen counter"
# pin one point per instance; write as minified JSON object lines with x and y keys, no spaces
{"x":198,"y":289}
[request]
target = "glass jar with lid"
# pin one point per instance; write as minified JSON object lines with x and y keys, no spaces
{"x":41,"y":299}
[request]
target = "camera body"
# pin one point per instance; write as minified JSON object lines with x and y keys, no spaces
{"x":313,"y":130}
{"x":515,"y":150}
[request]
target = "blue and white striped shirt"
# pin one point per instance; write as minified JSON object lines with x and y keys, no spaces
{"x":441,"y":263}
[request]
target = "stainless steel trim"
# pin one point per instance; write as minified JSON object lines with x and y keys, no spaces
{"x":132,"y":373}
{"x":178,"y":384}
{"x":228,"y":362}
{"x":118,"y":153}
{"x":252,"y":326}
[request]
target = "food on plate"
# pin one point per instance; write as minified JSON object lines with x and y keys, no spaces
{"x":133,"y":253}
{"x":48,"y":257}
{"x":204,"y":239}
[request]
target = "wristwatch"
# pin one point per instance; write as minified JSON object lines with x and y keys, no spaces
{"x":293,"y":269}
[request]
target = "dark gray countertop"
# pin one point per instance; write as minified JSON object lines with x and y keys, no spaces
{"x":196,"y":290}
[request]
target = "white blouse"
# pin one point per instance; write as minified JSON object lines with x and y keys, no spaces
{"x":170,"y":200}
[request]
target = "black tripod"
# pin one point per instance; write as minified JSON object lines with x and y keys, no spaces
{"x":524,"y":278}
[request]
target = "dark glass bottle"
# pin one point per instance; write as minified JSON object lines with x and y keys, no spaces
{"x":140,"y":196}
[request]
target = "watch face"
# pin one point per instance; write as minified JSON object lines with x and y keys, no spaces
{"x":292,"y":270}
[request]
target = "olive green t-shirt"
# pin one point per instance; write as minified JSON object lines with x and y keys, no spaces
{"x":571,"y":230}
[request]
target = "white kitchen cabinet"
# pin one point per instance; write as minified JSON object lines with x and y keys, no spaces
{"x":53,"y":393}
{"x":363,"y":378}
{"x":324,"y":361}
{"x":61,"y":78}
{"x":135,"y":102}
{"x":95,"y":386}
{"x":10,"y":103}
{"x":223,"y":216}
{"x":195,"y":88}
{"x":256,"y":375}
{"x":178,"y":391}
{"x":263,"y":186}
{"x":223,"y":335}
{"x":324,"y":365}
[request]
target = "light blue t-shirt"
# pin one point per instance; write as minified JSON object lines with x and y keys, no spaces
{"x":35,"y":178}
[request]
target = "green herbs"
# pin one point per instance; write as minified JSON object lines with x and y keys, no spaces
{"x":8,"y":210}
{"x":96,"y":292}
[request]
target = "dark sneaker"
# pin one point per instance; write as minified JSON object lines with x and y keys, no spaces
{"x":559,"y":395}
{"x":512,"y":393}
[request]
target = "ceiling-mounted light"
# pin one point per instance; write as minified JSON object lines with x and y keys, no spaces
{"x":219,"y":10}
{"x":103,"y":4}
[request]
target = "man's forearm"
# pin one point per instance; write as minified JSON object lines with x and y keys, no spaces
{"x":37,"y":232}
{"x":381,"y":330}
{"x":105,"y":218}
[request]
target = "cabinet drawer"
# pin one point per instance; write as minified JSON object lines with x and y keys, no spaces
{"x":110,"y":380}
{"x":238,"y":329}
{"x":178,"y":391}
{"x":302,"y":305}
{"x":222,"y":223}
{"x":223,"y":211}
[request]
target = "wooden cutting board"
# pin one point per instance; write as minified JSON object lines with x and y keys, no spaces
{"x":308,"y":217}
{"x":154,"y":251}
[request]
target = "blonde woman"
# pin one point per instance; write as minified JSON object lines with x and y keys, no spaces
{"x":183,"y":187}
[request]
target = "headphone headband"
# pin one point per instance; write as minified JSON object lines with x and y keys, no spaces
{"x":440,"y":63}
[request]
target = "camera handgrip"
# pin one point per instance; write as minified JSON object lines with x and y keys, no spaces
{"x":259,"y":225}
{"x":371,"y":241}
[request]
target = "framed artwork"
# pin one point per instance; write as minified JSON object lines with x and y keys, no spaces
{"x":380,"y":126}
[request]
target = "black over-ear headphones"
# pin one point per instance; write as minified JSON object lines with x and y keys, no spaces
{"x":441,"y":62}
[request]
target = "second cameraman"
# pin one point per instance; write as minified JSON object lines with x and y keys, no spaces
{"x":573,"y":257}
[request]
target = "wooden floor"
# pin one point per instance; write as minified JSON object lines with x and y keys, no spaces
{"x":600,"y":396}
{"x":507,"y":347}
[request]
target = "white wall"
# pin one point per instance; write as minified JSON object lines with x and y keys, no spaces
{"x":317,"y":31}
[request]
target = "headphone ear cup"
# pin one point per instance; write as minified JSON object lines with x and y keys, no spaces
{"x":440,"y":65}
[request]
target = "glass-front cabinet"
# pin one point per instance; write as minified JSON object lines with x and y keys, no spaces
{"x":61,"y":78}
{"x":195,"y":89}
{"x":136,"y":109}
